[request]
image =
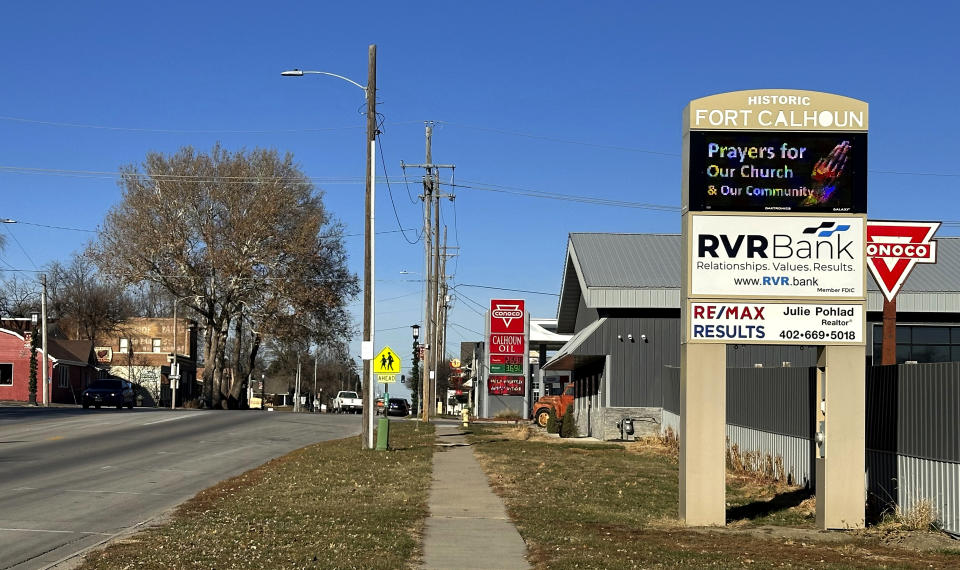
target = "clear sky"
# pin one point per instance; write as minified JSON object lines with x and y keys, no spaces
{"x":578,"y":98}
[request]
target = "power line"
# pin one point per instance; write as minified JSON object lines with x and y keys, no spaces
{"x":111,"y":175}
{"x":465,"y":328}
{"x":390,"y":192}
{"x":186,"y":131}
{"x":567,"y":197}
{"x":483,"y":309}
{"x":506,"y":289}
{"x":405,"y":183}
{"x":559,"y":140}
{"x":480,"y":186}
{"x":10,"y":233}
{"x":21,"y":222}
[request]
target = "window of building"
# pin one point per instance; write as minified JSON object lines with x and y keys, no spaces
{"x":921,"y":343}
{"x":6,"y":374}
{"x":156,"y":345}
{"x":63,"y":376}
{"x":124,"y":345}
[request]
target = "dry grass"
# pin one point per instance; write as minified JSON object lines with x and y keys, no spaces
{"x":507,"y":414}
{"x":328,"y":505}
{"x":615,"y":506}
{"x":762,"y":466}
{"x":521,"y":432}
{"x":922,"y":516}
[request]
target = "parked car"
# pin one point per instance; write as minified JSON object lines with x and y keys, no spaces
{"x":108,"y":392}
{"x":398,"y":407}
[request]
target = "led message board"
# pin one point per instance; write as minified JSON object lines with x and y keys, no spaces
{"x":769,"y":171}
{"x":499,"y":385}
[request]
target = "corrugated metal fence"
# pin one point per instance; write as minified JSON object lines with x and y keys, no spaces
{"x":913,"y":443}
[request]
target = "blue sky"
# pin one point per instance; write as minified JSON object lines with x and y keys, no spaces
{"x":567,"y":97}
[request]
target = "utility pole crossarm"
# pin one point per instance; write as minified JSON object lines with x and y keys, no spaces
{"x":428,"y":165}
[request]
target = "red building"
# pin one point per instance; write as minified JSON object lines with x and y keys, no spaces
{"x":71,"y":367}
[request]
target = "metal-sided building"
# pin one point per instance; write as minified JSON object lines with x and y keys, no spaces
{"x":620,"y":299}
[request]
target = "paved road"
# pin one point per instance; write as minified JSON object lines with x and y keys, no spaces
{"x":71,"y":478}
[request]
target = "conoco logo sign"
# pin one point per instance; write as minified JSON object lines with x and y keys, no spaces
{"x":507,"y":316}
{"x":507,"y":313}
{"x":895,"y":248}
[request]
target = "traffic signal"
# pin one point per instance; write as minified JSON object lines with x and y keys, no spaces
{"x":403,"y":379}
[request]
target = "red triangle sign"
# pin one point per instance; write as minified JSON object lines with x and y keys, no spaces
{"x":894,"y":248}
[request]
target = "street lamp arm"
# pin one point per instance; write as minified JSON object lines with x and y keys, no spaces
{"x":300,"y":73}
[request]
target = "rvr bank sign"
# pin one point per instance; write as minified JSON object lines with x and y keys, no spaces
{"x":782,"y":257}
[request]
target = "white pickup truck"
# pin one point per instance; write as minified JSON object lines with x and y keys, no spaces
{"x":347,"y":403}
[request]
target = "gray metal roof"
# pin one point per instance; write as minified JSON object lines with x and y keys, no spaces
{"x":629,"y":260}
{"x":643,"y":271}
{"x":653,"y":260}
{"x":565,"y":359}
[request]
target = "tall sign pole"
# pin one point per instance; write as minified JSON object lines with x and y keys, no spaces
{"x":508,"y":348}
{"x":774,"y":222}
{"x":894,"y":248}
{"x":366,"y":347}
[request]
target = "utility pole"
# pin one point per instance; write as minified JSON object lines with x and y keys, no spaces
{"x":368,"y":251}
{"x":442,"y":322}
{"x":444,"y":304}
{"x":43,"y":340}
{"x":296,"y":389}
{"x":431,"y":217}
{"x":428,"y":275}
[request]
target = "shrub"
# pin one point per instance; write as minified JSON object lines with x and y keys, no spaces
{"x":568,"y":424}
{"x":507,"y":414}
{"x":922,"y":516}
{"x":553,"y":425}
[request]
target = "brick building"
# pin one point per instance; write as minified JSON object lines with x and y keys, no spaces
{"x":142,"y":350}
{"x":71,"y":367}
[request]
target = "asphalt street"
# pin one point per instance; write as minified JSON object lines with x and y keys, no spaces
{"x":73,"y":478}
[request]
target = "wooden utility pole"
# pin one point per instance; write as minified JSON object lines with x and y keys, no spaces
{"x":428,"y":276}
{"x":444,"y":301}
{"x":431,"y":216}
{"x":368,"y":251}
{"x":43,"y":341}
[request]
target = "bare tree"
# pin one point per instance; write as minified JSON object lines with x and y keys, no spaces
{"x":86,"y":304}
{"x":234,"y":235}
{"x":19,"y":297}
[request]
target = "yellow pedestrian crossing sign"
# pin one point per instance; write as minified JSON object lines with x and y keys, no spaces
{"x":387,"y":362}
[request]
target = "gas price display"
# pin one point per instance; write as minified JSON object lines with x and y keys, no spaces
{"x":504,"y":364}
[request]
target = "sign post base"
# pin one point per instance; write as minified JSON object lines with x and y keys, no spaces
{"x":383,"y":434}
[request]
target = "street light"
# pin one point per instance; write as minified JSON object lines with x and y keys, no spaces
{"x":366,"y":348}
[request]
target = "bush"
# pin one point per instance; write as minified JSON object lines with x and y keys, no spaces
{"x":507,"y":414}
{"x":568,"y":424}
{"x":553,"y":424}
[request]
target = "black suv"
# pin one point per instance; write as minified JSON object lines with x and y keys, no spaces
{"x":398,"y":407}
{"x":108,"y":392}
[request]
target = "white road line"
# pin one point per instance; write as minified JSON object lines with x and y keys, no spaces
{"x":167,"y":420}
{"x":54,"y":531}
{"x":229,"y":451}
{"x":114,"y":492}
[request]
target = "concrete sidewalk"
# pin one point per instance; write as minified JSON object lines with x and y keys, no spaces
{"x":468,"y":526}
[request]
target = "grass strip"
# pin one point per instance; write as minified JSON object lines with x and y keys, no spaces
{"x":328,"y":505}
{"x":590,"y":505}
